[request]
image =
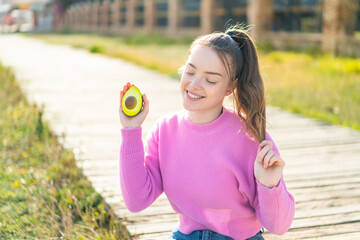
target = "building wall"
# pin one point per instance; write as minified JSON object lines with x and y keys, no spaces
{"x":284,"y":23}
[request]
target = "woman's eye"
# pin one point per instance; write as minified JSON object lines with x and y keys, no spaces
{"x":189,"y":73}
{"x":210,"y":81}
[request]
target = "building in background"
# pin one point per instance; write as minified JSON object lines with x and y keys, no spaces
{"x":26,"y":15}
{"x":23,"y":19}
{"x":6,"y":21}
{"x":43,"y":15}
{"x":325,"y":24}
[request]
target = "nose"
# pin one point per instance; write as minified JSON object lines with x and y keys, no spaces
{"x":196,"y":82}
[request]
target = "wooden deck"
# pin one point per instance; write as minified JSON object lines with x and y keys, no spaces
{"x":81,"y":101}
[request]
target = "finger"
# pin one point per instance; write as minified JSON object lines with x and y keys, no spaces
{"x":267,"y":158}
{"x":146,"y":104}
{"x":276,"y":160}
{"x":121,"y":96}
{"x":263,"y":152}
{"x":266,"y":143}
{"x":127,"y":86}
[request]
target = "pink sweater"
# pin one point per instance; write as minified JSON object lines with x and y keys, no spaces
{"x":207,"y":173}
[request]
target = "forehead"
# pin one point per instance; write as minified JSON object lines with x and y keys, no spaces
{"x":205,"y":58}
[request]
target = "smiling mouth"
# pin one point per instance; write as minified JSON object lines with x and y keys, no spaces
{"x":192,"y":96}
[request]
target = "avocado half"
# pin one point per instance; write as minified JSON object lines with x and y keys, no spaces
{"x":132,"y":101}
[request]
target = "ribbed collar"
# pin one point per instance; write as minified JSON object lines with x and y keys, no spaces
{"x":214,"y":125}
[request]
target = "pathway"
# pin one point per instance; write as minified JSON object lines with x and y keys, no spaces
{"x":80,"y":92}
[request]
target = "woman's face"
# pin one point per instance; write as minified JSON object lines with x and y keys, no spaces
{"x":204,"y":82}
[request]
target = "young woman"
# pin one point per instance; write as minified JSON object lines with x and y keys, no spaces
{"x":219,"y":168}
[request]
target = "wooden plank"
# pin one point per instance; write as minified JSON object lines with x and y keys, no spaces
{"x":326,"y":203}
{"x":315,"y":194}
{"x":320,"y":196}
{"x":343,"y":236}
{"x":142,"y":228}
{"x":324,"y":182}
{"x":326,"y":220}
{"x":315,"y":232}
{"x":312,"y":172}
{"x":122,"y":212}
{"x":315,"y":143}
{"x":327,"y":211}
{"x":317,"y":150}
{"x":154,"y":236}
{"x":320,"y":173}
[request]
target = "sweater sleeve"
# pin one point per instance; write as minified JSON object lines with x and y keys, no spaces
{"x":140,"y":177}
{"x":275,"y":207}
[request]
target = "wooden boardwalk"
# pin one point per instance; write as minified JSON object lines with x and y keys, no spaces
{"x":81,"y":101}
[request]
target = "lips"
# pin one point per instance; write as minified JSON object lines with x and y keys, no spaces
{"x":193,"y":96}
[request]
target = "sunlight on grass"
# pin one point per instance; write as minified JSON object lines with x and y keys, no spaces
{"x":321,"y":87}
{"x":357,"y":34}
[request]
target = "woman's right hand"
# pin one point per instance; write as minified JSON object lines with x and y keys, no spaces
{"x":137,"y":120}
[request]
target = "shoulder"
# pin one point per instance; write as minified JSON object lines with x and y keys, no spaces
{"x":172,"y":118}
{"x":169,"y":121}
{"x":233,"y":122}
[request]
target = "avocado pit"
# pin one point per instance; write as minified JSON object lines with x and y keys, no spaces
{"x":130,"y":102}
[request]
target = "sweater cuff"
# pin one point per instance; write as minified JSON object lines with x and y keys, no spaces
{"x":270,"y":195}
{"x":131,"y":140}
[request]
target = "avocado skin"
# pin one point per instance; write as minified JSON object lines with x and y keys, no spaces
{"x":131,"y":110}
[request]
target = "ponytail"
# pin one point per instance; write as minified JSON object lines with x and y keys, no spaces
{"x":248,"y":86}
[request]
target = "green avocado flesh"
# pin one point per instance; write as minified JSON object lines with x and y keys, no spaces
{"x":132,"y":101}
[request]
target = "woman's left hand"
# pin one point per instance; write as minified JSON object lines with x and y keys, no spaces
{"x":268,"y":166}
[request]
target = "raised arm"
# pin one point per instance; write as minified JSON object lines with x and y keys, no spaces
{"x":140,"y":177}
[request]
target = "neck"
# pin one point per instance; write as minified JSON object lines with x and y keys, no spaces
{"x":201,"y":117}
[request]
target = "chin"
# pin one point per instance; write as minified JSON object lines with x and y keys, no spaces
{"x":187,"y":107}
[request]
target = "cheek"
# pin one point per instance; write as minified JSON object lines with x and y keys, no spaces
{"x":183,"y":81}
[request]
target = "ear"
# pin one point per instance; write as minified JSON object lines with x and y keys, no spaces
{"x":229,"y":90}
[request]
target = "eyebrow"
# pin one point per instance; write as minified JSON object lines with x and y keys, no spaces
{"x":212,"y":73}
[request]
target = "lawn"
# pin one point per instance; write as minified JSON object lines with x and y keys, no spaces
{"x":44,"y":195}
{"x":313,"y":84}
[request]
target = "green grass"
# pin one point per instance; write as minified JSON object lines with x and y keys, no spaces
{"x":312,"y":83}
{"x":357,"y":34}
{"x":43,"y":193}
{"x":320,"y":86}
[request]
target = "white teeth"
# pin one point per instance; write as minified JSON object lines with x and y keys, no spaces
{"x":193,"y":96}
